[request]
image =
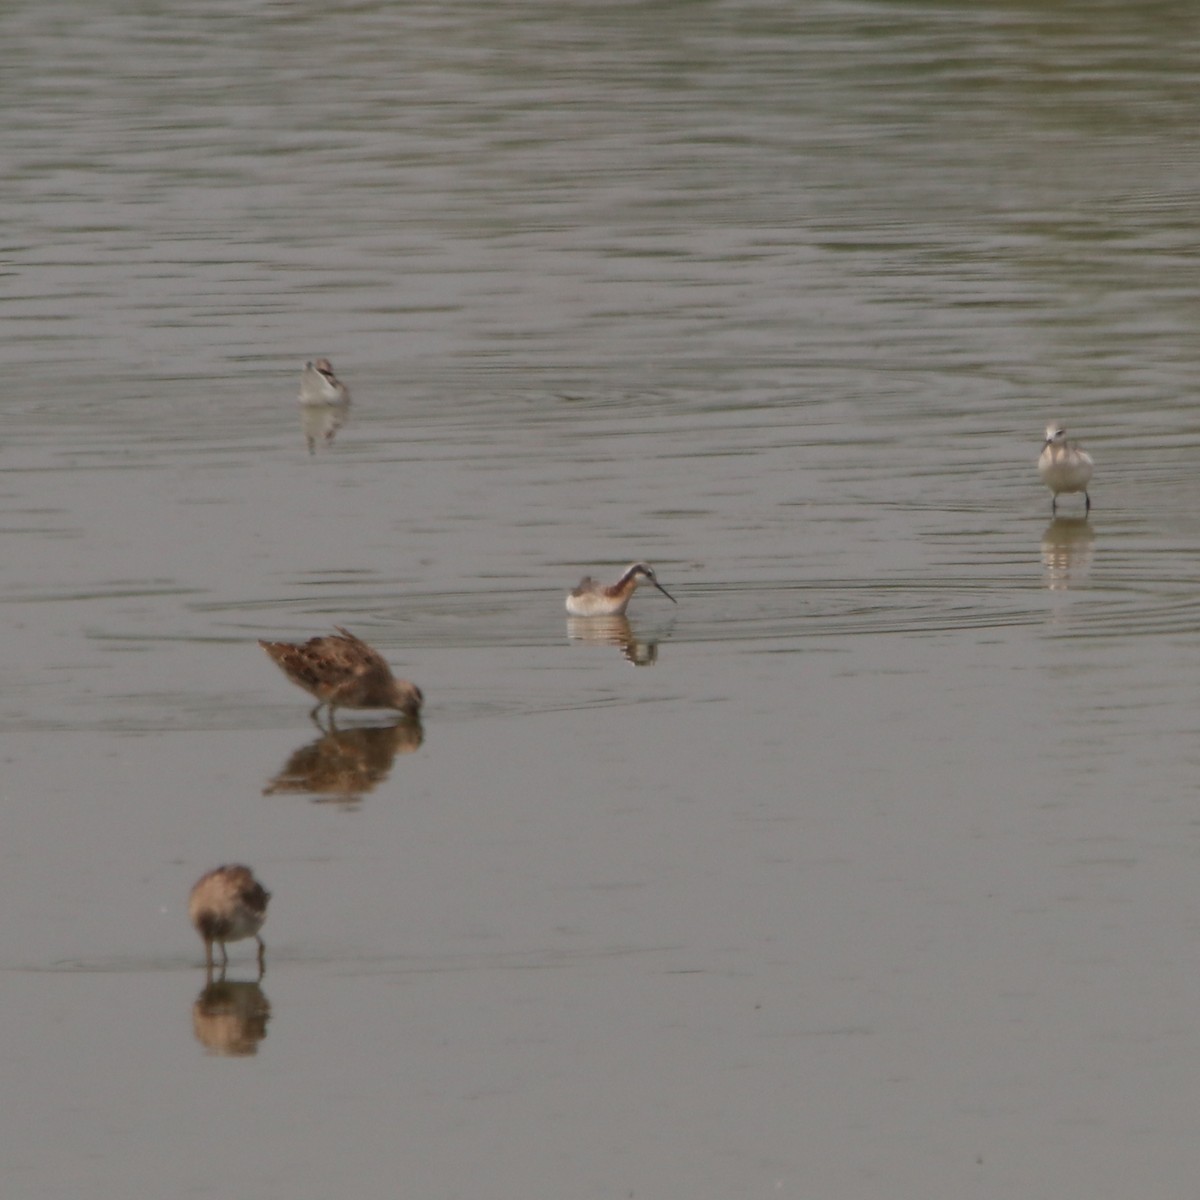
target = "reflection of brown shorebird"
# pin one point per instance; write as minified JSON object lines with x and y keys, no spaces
{"x":344,"y":672}
{"x":226,"y":905}
{"x":595,"y":599}
{"x":343,"y":764}
{"x":231,"y":1018}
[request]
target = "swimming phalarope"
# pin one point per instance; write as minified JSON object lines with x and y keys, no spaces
{"x":344,"y":672}
{"x":1064,"y":466}
{"x":324,"y":403}
{"x":594,"y":599}
{"x":227,"y":905}
{"x":319,"y":385}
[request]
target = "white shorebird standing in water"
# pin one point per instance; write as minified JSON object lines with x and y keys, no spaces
{"x":227,"y":905}
{"x":1064,"y":466}
{"x":595,"y":599}
{"x":325,"y":401}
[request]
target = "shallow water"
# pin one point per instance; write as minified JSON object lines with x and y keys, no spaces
{"x":868,"y":868}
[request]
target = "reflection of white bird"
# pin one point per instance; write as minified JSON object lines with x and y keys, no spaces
{"x":594,"y":599}
{"x":1064,"y":466}
{"x":1067,"y":546}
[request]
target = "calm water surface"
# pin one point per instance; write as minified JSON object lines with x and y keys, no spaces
{"x":867,"y":870}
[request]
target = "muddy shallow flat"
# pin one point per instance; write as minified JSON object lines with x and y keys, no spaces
{"x":864,"y":870}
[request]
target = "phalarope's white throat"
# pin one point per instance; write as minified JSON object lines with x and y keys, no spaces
{"x":344,"y":672}
{"x":595,"y":599}
{"x":227,"y":905}
{"x":319,"y":385}
{"x":1064,"y":466}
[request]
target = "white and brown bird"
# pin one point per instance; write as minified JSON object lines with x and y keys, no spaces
{"x":324,"y":403}
{"x":342,"y":671}
{"x":595,"y":599}
{"x":226,"y":905}
{"x":319,"y":385}
{"x":1064,"y":466}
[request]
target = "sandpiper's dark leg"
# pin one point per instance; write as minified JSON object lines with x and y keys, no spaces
{"x":208,"y":961}
{"x":1054,"y":505}
{"x":1087,"y":504}
{"x":262,"y":956}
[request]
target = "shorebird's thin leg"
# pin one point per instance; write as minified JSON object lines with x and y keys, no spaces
{"x":1087,"y":504}
{"x":262,"y":956}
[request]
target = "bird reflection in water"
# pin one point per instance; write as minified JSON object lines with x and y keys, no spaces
{"x":1067,"y":546}
{"x":343,"y":765}
{"x":614,"y":631}
{"x":230,"y":1019}
{"x":320,"y":423}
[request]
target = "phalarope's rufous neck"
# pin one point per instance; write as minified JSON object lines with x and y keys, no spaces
{"x":319,"y":385}
{"x":594,"y":599}
{"x":227,"y":905}
{"x":344,"y":672}
{"x":1064,"y":466}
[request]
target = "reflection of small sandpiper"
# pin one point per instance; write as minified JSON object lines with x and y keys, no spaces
{"x":595,"y":599}
{"x":344,"y":672}
{"x":227,"y":905}
{"x":1064,"y":466}
{"x":325,"y":401}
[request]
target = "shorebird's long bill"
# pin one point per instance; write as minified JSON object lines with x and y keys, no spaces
{"x":664,"y":591}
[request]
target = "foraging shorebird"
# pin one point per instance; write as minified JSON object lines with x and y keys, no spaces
{"x":344,"y":672}
{"x":319,"y":385}
{"x":227,"y":905}
{"x":1064,"y":466}
{"x":594,"y":599}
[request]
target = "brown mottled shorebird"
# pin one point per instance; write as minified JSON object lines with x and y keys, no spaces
{"x":226,"y":905}
{"x":344,"y":672}
{"x":594,"y":599}
{"x":1064,"y":466}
